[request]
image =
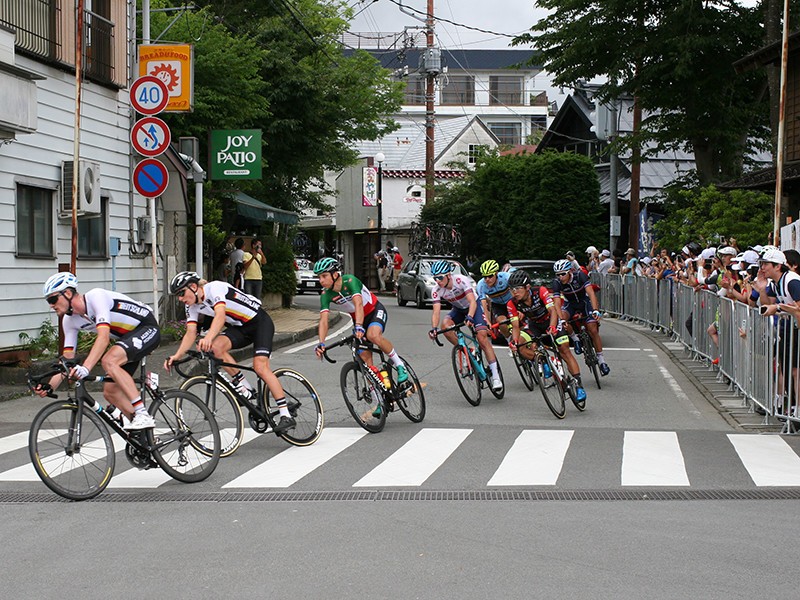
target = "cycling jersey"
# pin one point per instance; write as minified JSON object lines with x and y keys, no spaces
{"x":118,"y":312}
{"x":499,"y":293}
{"x":458,"y":295}
{"x":240,"y":308}
{"x":574,"y":290}
{"x":351,"y":286}
{"x":535,"y":312}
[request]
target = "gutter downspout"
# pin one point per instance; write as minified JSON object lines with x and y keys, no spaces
{"x":198,"y":175}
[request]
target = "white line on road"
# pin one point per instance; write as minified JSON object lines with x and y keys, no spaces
{"x":339,"y":331}
{"x":652,"y":458}
{"x":536,"y":458}
{"x":768,"y":458}
{"x":416,"y":460}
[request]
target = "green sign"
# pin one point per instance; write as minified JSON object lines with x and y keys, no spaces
{"x":235,"y":154}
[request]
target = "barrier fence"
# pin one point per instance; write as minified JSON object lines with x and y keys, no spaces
{"x":757,"y":354}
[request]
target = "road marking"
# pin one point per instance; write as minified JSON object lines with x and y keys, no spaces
{"x":769,"y":460}
{"x":20,"y":440}
{"x":417,"y":460}
{"x":622,"y":349}
{"x":536,"y":458}
{"x":294,"y":463}
{"x":652,"y":458}
{"x":348,"y":325}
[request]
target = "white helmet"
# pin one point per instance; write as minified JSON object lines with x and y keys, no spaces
{"x":58,"y":283}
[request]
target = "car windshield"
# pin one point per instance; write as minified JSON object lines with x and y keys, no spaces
{"x":425,"y":267}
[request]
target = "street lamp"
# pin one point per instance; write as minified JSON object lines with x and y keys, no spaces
{"x":379,"y":158}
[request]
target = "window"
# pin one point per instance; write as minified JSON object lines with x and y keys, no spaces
{"x":539,"y":123}
{"x":35,"y":23}
{"x":505,"y":89}
{"x":459,"y":89}
{"x":415,"y":91}
{"x":93,"y":234}
{"x":473,"y":153}
{"x":508,"y":133}
{"x":99,"y":40}
{"x":34,"y":221}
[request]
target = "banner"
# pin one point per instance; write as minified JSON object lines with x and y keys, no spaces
{"x":174,"y":65}
{"x":234,"y":154}
{"x":369,"y":196}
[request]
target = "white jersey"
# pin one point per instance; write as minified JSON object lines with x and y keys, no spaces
{"x":118,"y":312}
{"x":240,"y":308}
{"x":458,"y":296}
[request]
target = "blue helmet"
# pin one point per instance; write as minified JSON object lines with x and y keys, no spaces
{"x":441,"y":267}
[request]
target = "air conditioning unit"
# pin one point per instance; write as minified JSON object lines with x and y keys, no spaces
{"x":88,"y":188}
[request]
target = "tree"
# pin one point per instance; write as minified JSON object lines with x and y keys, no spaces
{"x":523,"y":206}
{"x":676,"y":57}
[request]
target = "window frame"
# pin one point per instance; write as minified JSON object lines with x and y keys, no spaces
{"x":48,"y":192}
{"x":102,"y":252}
{"x":511,"y":124}
{"x":499,"y":96}
{"x":465,"y":97}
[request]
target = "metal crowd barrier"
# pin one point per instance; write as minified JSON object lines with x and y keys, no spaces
{"x":757,"y":355}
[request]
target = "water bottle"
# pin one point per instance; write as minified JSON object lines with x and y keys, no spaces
{"x":377,"y":372}
{"x":546,"y":370}
{"x":387,"y":383}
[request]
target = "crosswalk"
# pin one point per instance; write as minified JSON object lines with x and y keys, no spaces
{"x":479,"y":459}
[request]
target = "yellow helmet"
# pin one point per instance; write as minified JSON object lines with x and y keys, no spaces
{"x":489,"y":267}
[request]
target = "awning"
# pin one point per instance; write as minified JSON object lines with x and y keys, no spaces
{"x":258,"y":211}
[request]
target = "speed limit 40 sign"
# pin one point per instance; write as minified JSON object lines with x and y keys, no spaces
{"x":149,"y":95}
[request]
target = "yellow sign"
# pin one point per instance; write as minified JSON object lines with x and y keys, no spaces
{"x":174,"y":65}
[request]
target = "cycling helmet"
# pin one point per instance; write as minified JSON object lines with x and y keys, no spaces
{"x":562,"y":266}
{"x":181,"y":280}
{"x":441,"y":267}
{"x":326,"y":265}
{"x":489,"y":267}
{"x":58,"y":283}
{"x":519,"y":278}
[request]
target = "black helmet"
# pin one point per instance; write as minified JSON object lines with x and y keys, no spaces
{"x":519,"y":278}
{"x":181,"y":280}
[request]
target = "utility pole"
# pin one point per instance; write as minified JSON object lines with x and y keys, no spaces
{"x":636,"y":177}
{"x":431,"y":74}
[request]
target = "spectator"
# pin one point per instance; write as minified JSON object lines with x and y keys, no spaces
{"x":570,"y":256}
{"x":397,"y":263}
{"x":237,"y":266}
{"x":593,"y":257}
{"x":631,"y":267}
{"x":606,"y":264}
{"x":252,"y":263}
{"x":383,"y":264}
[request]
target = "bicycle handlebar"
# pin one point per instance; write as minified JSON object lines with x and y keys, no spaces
{"x":190,"y":355}
{"x":352,"y":341}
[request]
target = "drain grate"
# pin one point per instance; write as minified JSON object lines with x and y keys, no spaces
{"x":420,"y":496}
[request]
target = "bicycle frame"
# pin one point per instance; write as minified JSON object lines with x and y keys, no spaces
{"x":356,"y":347}
{"x":476,"y":357}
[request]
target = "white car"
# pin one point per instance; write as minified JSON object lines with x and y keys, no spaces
{"x":306,"y":280}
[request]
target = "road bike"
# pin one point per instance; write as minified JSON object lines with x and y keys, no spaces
{"x":370,"y":393}
{"x":524,"y":368}
{"x":71,"y":448}
{"x":469,"y":366}
{"x":219,"y":393}
{"x":578,"y":323}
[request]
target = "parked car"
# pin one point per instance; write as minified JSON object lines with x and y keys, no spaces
{"x":541,"y":271}
{"x":306,"y":280}
{"x":415,"y":282}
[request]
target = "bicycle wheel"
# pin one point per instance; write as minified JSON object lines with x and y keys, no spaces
{"x":304,"y":406}
{"x":502,"y":391}
{"x":590,"y":357}
{"x":525,"y":371}
{"x":77,"y":474}
{"x":185,"y":441}
{"x":363,"y":398}
{"x":412,"y":399}
{"x":552,"y":388}
{"x":468,"y":381}
{"x":224,"y":407}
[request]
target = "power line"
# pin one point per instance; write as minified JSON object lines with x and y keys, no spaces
{"x":443,"y":20}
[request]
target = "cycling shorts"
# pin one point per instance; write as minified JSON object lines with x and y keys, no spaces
{"x":580,"y":306}
{"x":377,"y":318}
{"x":138,"y":343}
{"x":258,"y":331}
{"x":459,"y":315}
{"x":538,"y":332}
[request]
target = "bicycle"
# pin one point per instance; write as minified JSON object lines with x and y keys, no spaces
{"x":589,"y":351}
{"x":370,"y":394}
{"x":217,"y":391}
{"x":468,"y":365}
{"x":524,"y":368}
{"x":71,"y":448}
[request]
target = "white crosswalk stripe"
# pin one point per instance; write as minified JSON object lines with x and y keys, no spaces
{"x":534,"y":457}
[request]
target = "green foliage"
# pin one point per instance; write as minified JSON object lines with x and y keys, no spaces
{"x":43,"y":345}
{"x":173,"y":331}
{"x":706,"y":214}
{"x":523,"y":206}
{"x":278,"y":272}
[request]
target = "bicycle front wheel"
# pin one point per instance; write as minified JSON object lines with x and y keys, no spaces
{"x":525,"y":372}
{"x":304,"y":406}
{"x":224,"y":407}
{"x":590,"y":356}
{"x":552,"y":387}
{"x":412,"y":398}
{"x":502,"y":391}
{"x":363,"y":398}
{"x":185,"y":441}
{"x":74,"y":469}
{"x":468,"y":380}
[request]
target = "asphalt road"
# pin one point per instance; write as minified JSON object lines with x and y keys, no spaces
{"x":428,"y":510}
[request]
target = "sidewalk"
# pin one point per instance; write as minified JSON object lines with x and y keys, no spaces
{"x":291,"y":325}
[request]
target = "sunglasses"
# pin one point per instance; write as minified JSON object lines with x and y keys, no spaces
{"x":182,"y":293}
{"x":517,"y":288}
{"x":51,"y":300}
{"x":562,"y":274}
{"x":440,"y":277}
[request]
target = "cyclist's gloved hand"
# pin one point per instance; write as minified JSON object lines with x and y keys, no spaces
{"x":433,"y":333}
{"x":320,"y":349}
{"x":359,"y":331}
{"x":470,"y":320}
{"x":552,"y":330}
{"x":596,"y":314}
{"x":79,"y":372}
{"x":513,"y":344}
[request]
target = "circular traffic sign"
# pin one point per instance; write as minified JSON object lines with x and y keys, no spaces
{"x":150,"y":178}
{"x":149,"y":95}
{"x":150,"y":136}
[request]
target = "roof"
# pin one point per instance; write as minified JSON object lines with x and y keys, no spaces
{"x":478,"y":59}
{"x":256,"y":210}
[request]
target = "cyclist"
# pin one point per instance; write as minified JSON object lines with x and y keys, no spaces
{"x":368,"y":314}
{"x":247,"y":323}
{"x":572,"y":294}
{"x":533,"y":314}
{"x":493,"y":293}
{"x":457,"y":290}
{"x":111,"y":316}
